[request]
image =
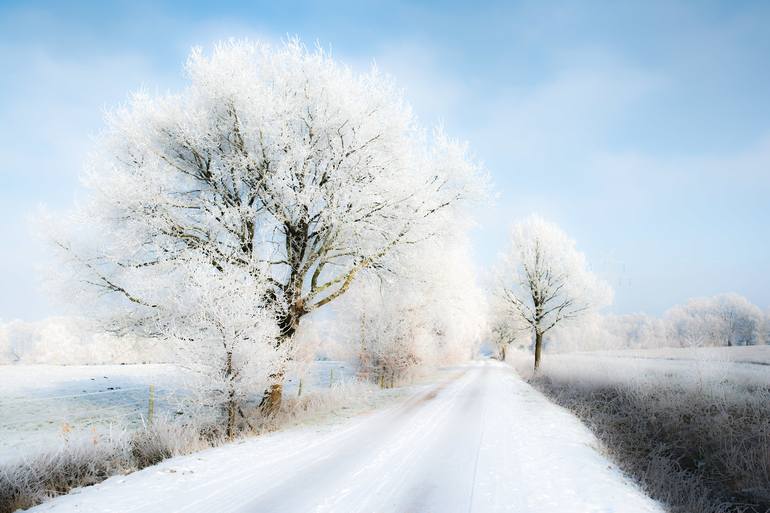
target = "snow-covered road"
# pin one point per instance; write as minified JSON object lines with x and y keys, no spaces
{"x":481,"y":441}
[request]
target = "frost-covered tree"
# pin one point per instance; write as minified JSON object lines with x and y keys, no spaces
{"x":506,"y":330}
{"x":503,"y":335}
{"x":223,"y":336}
{"x":390,"y":325}
{"x":546,"y":281}
{"x":722,"y":320}
{"x":421,"y":316}
{"x":276,"y":160}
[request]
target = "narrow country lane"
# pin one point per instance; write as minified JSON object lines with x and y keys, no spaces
{"x":483,"y":441}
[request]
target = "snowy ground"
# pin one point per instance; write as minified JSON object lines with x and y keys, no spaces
{"x":696,"y":366}
{"x":41,"y":404}
{"x":755,"y":355}
{"x":480,"y":441}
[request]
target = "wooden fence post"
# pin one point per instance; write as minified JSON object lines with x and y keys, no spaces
{"x":151,"y":404}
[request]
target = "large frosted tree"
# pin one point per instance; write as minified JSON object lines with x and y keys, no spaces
{"x":277,"y":160}
{"x":545,"y":280}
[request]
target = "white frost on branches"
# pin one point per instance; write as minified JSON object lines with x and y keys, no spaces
{"x":277,"y":161}
{"x":224,"y":338}
{"x":545,"y":280}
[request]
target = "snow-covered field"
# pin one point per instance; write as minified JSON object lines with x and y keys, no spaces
{"x":759,"y":355}
{"x":697,"y":366}
{"x":480,"y":440}
{"x":40,"y":405}
{"x":690,"y":424}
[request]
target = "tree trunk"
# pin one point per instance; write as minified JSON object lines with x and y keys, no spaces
{"x":231,"y":410}
{"x":272,"y":397}
{"x":502,"y":353}
{"x":231,"y":405}
{"x":538,"y":349}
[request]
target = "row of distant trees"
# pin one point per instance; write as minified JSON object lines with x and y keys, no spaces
{"x":70,"y":340}
{"x":719,"y":321}
{"x":723,"y":320}
{"x":544,"y":293}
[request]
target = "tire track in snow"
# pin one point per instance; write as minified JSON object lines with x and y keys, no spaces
{"x":444,"y":480}
{"x":396,"y":491}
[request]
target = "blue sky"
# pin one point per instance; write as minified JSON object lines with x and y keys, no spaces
{"x":642,"y":129}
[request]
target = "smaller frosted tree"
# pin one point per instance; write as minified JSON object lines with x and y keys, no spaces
{"x":546,"y":281}
{"x":503,"y":335}
{"x":424,"y":315}
{"x":506,"y":330}
{"x":223,"y":335}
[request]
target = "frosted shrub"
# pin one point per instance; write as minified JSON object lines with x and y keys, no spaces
{"x":87,"y":458}
{"x":164,"y":438}
{"x":350,"y":396}
{"x":81,"y":461}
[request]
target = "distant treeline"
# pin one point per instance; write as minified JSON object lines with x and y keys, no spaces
{"x":722,"y":320}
